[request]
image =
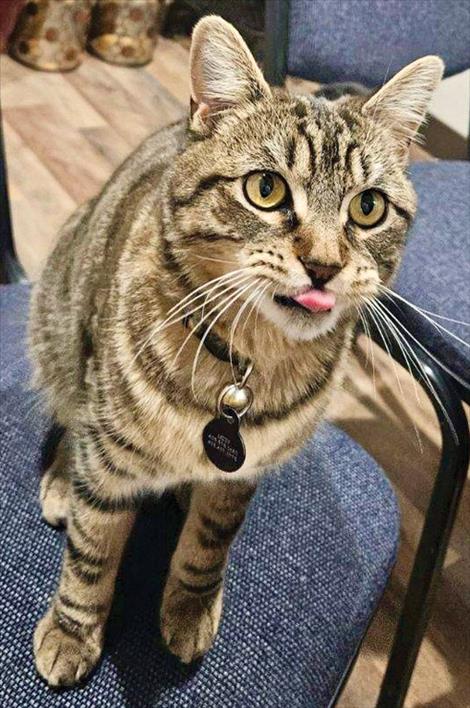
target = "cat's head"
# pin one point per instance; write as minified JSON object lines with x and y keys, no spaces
{"x":308,"y":196}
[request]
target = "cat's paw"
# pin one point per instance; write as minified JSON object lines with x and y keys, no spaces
{"x":189,"y":622}
{"x":54,"y":497}
{"x":63,"y":659}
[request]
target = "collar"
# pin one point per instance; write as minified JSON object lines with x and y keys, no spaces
{"x":218,"y":347}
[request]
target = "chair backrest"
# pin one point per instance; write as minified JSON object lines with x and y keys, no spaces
{"x":370,"y":40}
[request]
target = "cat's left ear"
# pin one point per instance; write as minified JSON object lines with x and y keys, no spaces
{"x":224,"y":73}
{"x":403,"y":102}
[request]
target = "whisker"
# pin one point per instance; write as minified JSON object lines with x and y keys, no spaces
{"x":255,"y":303}
{"x":445,"y":368}
{"x":181,"y":316}
{"x":392,"y":328}
{"x":370,"y":350}
{"x":258,"y":310}
{"x":193,"y":329}
{"x":169,"y":319}
{"x":193,"y":297}
{"x":211,"y":325}
{"x":390,"y":294}
{"x":420,"y":366}
{"x":215,"y":260}
{"x":397,"y":338}
{"x":235,"y":324}
{"x":427,"y":312}
{"x":202,"y":288}
{"x":386,"y":342}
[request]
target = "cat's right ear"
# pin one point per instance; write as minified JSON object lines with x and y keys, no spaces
{"x":224,"y":73}
{"x":402,"y":103}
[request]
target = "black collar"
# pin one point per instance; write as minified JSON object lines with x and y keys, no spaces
{"x":218,"y":347}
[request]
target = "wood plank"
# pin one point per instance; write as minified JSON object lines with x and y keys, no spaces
{"x":39,"y":203}
{"x":170,"y":66}
{"x":79,"y":167}
{"x":109,"y":144}
{"x":112,"y":92}
{"x":23,"y":87}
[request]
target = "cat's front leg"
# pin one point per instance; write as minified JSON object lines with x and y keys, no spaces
{"x":69,"y":639}
{"x":192,"y":600}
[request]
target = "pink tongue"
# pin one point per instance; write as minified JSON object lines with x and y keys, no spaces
{"x":317,"y":300}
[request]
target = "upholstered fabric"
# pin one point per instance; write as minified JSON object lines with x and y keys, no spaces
{"x":435,"y":271}
{"x":304,"y":575}
{"x":370,"y":40}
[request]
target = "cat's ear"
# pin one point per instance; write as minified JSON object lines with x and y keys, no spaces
{"x":403,"y":102}
{"x":224,"y":73}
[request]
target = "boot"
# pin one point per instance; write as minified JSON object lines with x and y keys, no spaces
{"x":51,"y":34}
{"x":125,"y":31}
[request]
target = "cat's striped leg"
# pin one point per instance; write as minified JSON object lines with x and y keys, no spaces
{"x":192,"y":600}
{"x":69,"y":639}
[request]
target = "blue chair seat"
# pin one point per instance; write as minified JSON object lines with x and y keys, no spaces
{"x":304,"y":577}
{"x":435,"y":270}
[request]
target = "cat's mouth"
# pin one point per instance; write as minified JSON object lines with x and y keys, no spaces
{"x":313,"y":300}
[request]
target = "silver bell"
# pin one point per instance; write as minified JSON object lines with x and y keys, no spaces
{"x":239,"y":399}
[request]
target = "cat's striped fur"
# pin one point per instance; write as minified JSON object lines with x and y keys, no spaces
{"x":172,"y":218}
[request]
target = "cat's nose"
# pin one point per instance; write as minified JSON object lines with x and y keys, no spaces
{"x":320,"y":273}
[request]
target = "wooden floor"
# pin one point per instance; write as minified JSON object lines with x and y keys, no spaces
{"x":65,"y":133}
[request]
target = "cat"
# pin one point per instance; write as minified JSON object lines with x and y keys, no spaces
{"x":239,"y":243}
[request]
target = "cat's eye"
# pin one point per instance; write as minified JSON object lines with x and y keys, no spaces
{"x":367,"y":208}
{"x":265,"y":190}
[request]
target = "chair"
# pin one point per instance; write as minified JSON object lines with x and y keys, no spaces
{"x":367,"y":42}
{"x":304,"y":577}
{"x":301,"y":587}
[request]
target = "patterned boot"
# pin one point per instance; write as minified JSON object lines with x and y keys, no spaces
{"x":51,"y":34}
{"x":125,"y":31}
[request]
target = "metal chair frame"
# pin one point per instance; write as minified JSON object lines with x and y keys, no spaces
{"x":451,"y":475}
{"x":10,"y":268}
{"x":438,"y":523}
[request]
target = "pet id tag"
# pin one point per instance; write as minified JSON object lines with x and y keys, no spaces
{"x":221,"y":437}
{"x":222,"y":441}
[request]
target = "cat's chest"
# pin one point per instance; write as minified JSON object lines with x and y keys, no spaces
{"x":285,"y":408}
{"x":187,"y":452}
{"x":168,"y":422}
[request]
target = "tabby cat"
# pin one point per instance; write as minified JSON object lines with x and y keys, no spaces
{"x":268,"y":219}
